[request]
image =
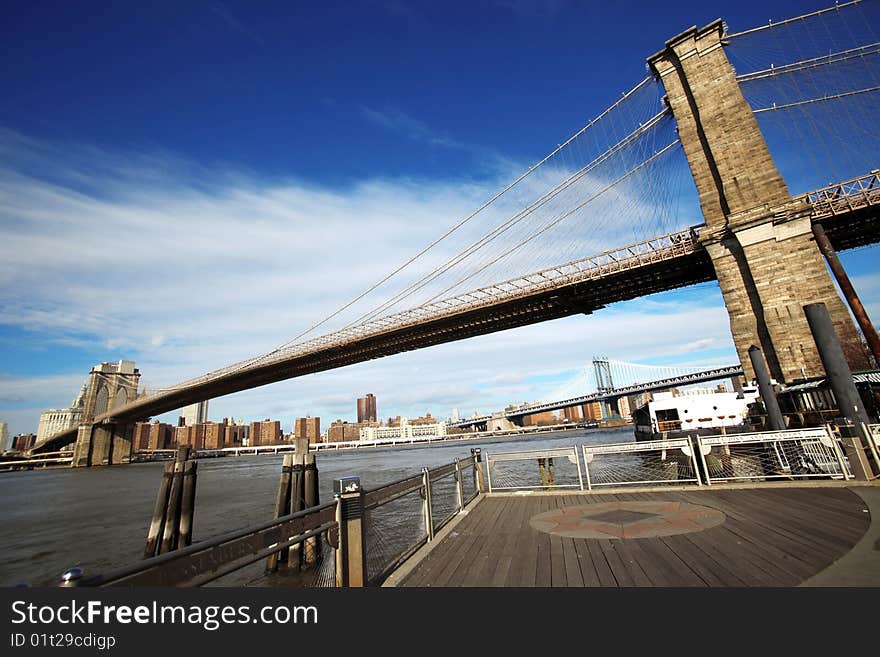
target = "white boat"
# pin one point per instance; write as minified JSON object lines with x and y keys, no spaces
{"x":701,"y":411}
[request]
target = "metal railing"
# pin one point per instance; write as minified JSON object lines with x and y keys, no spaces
{"x":649,"y":462}
{"x":213,"y":558}
{"x":842,"y":198}
{"x":544,"y":469}
{"x":392,"y":522}
{"x":400,"y":517}
{"x":787,"y":454}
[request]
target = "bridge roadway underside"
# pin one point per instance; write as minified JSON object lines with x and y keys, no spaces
{"x":849,"y":231}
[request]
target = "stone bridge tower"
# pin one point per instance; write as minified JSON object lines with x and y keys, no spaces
{"x":109,"y":386}
{"x":759,"y":239}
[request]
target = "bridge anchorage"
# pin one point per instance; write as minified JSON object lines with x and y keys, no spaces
{"x":757,"y":240}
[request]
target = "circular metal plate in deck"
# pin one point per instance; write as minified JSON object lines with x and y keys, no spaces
{"x":627,"y":520}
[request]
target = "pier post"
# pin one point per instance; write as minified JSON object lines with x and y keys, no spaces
{"x":427,"y":512}
{"x":282,"y":508}
{"x":311,"y":546}
{"x":187,"y":504}
{"x":839,"y":376}
{"x":477,"y":455}
{"x":768,"y":396}
{"x":459,"y":493}
{"x":157,"y":523}
{"x":351,"y":565}
{"x":297,"y":496}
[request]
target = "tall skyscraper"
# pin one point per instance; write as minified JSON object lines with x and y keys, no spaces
{"x":195,"y":413}
{"x":4,"y":437}
{"x":366,"y":408}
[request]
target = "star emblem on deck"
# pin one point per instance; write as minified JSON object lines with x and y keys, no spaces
{"x":627,"y":519}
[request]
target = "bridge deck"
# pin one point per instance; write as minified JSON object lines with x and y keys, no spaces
{"x":747,"y":537}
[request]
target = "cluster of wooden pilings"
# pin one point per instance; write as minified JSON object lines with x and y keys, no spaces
{"x":297,"y":490}
{"x":171,"y":525}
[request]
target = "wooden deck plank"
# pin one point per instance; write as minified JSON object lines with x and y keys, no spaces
{"x":772,"y":519}
{"x":542,"y":569}
{"x":619,"y":569}
{"x":636,"y":574}
{"x":477,"y":556}
{"x":773,"y":541}
{"x":446,"y":558}
{"x":511,"y":548}
{"x":523,"y":570}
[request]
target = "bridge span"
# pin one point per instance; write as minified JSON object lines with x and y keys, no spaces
{"x":848,"y":211}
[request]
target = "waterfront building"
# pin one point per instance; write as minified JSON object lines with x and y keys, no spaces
{"x":308,"y":427}
{"x":24,"y":441}
{"x":190,"y":436}
{"x":4,"y":437}
{"x":56,"y":420}
{"x":155,"y":435}
{"x":141,"y":437}
{"x":341,"y":431}
{"x":366,"y":408}
{"x":404,"y":431}
{"x":195,"y":413}
{"x":265,"y":432}
{"x":215,"y":434}
{"x":236,"y":434}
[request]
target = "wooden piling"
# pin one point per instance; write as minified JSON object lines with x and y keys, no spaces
{"x":297,"y":503}
{"x":311,"y":497}
{"x":172,"y":510}
{"x":187,"y":504}
{"x":172,"y":521}
{"x":157,"y":523}
{"x":282,"y":508}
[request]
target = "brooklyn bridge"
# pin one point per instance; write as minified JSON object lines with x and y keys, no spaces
{"x":776,"y":127}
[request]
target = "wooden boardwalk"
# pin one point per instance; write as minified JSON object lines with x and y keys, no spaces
{"x":765,"y":537}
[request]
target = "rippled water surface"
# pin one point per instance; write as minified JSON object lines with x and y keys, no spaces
{"x":97,"y":518}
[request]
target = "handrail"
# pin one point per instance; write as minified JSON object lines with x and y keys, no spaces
{"x":203,"y":558}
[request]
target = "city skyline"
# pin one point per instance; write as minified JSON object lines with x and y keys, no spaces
{"x":153,"y":206}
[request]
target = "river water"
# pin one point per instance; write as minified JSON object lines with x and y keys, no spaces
{"x":97,"y":518}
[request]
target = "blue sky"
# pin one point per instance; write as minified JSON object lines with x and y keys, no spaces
{"x":189,"y":184}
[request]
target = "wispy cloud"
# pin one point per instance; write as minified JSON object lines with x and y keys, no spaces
{"x":236,"y":24}
{"x":400,"y":122}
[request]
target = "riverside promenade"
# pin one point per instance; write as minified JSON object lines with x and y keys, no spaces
{"x":772,"y":535}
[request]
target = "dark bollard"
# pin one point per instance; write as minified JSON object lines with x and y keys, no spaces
{"x":774,"y":415}
{"x":849,"y":403}
{"x":477,"y":455}
{"x":834,"y":362}
{"x":351,"y":563}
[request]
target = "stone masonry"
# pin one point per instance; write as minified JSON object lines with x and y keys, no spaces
{"x":759,"y":239}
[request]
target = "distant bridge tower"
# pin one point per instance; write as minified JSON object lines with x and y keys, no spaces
{"x":109,"y":386}
{"x":605,"y":384}
{"x":602,"y":367}
{"x":760,"y":240}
